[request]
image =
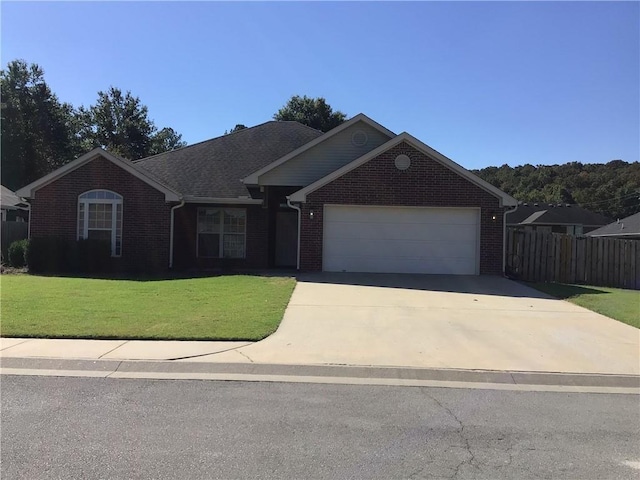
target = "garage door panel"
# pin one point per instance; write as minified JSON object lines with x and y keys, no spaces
{"x":399,"y":249}
{"x":450,"y":266}
{"x":404,"y":215}
{"x":400,"y":239}
{"x":342,"y":231}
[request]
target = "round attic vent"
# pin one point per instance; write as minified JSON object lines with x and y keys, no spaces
{"x":359,"y":138}
{"x":402,"y":162}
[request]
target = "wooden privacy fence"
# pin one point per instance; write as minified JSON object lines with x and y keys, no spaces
{"x":555,"y":257}
{"x":10,"y":232}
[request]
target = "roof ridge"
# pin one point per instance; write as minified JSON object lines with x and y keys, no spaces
{"x":222,"y":136}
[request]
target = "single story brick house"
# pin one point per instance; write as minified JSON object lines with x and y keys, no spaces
{"x":358,"y":198}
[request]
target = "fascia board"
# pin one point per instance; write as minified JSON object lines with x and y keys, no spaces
{"x":301,"y":195}
{"x":29,"y":191}
{"x":505,"y":200}
{"x":630,"y":234}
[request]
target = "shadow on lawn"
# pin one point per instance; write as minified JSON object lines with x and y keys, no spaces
{"x":564,"y":291}
{"x":181,"y":275}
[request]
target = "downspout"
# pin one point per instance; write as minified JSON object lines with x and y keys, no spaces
{"x":504,"y":239}
{"x":29,"y":220}
{"x":173,"y":209}
{"x":299,"y":223}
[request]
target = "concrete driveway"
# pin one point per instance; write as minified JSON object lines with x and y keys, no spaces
{"x":437,"y":321}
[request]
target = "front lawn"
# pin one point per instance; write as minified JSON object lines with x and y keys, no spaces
{"x":235,"y":307}
{"x":623,"y":305}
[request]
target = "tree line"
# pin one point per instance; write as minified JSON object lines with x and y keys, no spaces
{"x":39,"y":133}
{"x":612,"y":189}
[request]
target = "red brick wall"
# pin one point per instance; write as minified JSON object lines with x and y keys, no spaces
{"x":425,"y":183}
{"x":186,"y":237}
{"x":146,"y":215}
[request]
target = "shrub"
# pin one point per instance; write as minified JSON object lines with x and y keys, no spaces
{"x":18,"y":253}
{"x":58,"y":255}
{"x":92,"y":256}
{"x":49,"y":255}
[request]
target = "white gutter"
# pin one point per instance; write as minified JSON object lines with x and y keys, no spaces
{"x":173,"y":209}
{"x":504,"y":238}
{"x":299,"y":223}
{"x":223,"y":201}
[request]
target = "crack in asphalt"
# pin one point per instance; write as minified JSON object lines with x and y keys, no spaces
{"x":471,"y":460}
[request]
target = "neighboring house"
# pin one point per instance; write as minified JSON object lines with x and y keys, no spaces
{"x":15,"y":215}
{"x":13,"y":207}
{"x":557,"y":218}
{"x":628,"y":228}
{"x":358,"y":198}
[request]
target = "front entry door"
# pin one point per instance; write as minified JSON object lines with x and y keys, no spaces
{"x":286,"y":239}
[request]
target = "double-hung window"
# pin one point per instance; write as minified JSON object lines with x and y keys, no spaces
{"x":100,"y":218}
{"x":221,"y":232}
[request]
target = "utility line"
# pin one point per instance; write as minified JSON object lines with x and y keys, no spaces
{"x":613,"y":199}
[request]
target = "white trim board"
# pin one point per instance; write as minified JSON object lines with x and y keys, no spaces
{"x":505,"y":200}
{"x":29,"y":191}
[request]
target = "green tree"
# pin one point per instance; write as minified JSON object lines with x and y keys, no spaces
{"x":166,"y":140}
{"x":237,"y":128}
{"x":313,"y":112}
{"x":37,"y":130}
{"x":612,"y":189}
{"x":120,"y":124}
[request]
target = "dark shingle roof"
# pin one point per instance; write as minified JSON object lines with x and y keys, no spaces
{"x":625,"y":226}
{"x":554,"y":214}
{"x":213,"y":168}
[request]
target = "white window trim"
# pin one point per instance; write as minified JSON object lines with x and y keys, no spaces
{"x":221,"y":233}
{"x":114,"y":217}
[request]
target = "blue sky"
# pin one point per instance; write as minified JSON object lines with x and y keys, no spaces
{"x":483,"y":83}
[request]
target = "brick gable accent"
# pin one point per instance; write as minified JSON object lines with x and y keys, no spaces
{"x":146,"y":215}
{"x":425,"y":183}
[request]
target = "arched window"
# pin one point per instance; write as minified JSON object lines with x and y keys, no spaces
{"x":100,"y":218}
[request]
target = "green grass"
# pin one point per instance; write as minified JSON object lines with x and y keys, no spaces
{"x":623,"y":305}
{"x":235,"y":307}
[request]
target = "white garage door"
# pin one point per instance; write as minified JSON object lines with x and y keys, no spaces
{"x":401,"y":240}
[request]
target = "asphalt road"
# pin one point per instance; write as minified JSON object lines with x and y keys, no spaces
{"x":106,"y":428}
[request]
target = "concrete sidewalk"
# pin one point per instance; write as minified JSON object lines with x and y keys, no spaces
{"x":113,"y":349}
{"x":175,"y":360}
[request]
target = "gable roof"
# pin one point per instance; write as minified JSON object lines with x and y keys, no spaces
{"x":505,"y":200}
{"x":10,"y":201}
{"x":29,"y":191}
{"x":554,"y":214}
{"x":252,"y":179}
{"x":629,"y":226}
{"x":214,"y":168}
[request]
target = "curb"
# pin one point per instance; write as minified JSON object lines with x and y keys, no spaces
{"x":332,"y":374}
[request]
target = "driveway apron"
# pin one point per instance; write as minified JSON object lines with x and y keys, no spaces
{"x":441,"y":321}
